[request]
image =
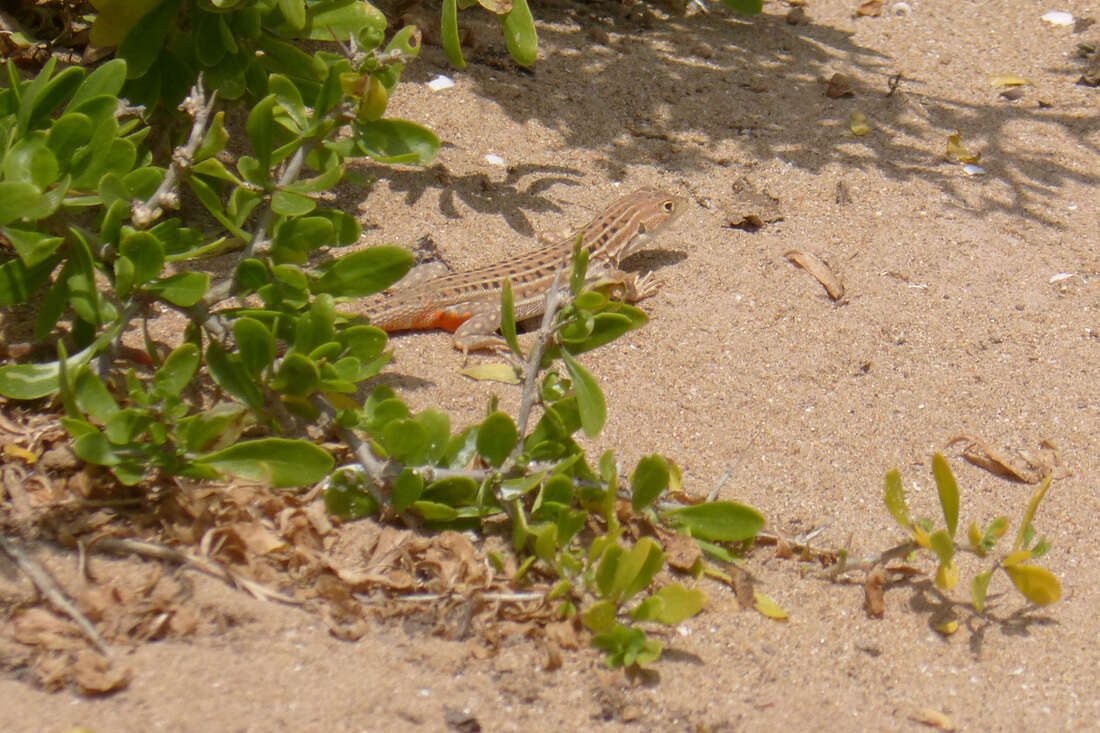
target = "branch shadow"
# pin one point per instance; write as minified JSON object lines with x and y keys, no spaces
{"x":669,"y":92}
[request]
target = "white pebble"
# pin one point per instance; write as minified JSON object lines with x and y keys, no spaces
{"x":439,"y":82}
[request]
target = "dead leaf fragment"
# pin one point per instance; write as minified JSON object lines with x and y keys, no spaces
{"x":752,"y":209}
{"x":857,"y":123}
{"x":1018,"y":467}
{"x":817,"y":267}
{"x":96,"y":675}
{"x":874,"y":593}
{"x":957,"y":151}
{"x":839,"y":86}
{"x":1008,"y":80}
{"x":932,"y":718}
{"x":768,"y":607}
{"x":869,"y":8}
{"x":492,"y":372}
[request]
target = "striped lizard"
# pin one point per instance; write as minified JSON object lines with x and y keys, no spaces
{"x":468,"y":303}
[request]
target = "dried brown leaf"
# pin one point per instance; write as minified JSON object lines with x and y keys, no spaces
{"x":874,"y":593}
{"x":681,"y":551}
{"x":97,"y":675}
{"x":839,"y":86}
{"x":871,"y":8}
{"x":932,"y":718}
{"x":1019,"y":467}
{"x":817,"y":267}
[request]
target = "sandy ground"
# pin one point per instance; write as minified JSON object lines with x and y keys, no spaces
{"x":972,"y":307}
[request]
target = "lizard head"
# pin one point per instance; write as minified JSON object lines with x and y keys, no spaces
{"x":635,"y":218}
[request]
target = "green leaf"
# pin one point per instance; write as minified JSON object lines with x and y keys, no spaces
{"x":295,"y":239}
{"x":349,"y":504}
{"x":1037,"y":584}
{"x":231,"y":375}
{"x":590,"y":400}
{"x":33,"y":247}
{"x":605,"y":328}
{"x":215,"y":140}
{"x":508,"y":317}
{"x":16,"y":199}
{"x":279,"y":462}
{"x":519,"y":33}
{"x":895,"y":499}
{"x":95,"y":448}
{"x":435,"y":512}
{"x":256,"y":344}
{"x":637,"y":567}
{"x":143,"y":44}
{"x":718,"y":521}
{"x":496,"y":437}
{"x":453,"y":491}
{"x":1029,"y":515}
{"x":287,"y":203}
{"x":365,"y":272}
{"x":295,"y":13}
{"x":49,"y":96}
{"x":745,"y":7}
{"x":261,"y":129}
{"x":107,"y":80}
{"x":600,"y":617}
{"x":31,"y":160}
{"x":670,"y":605}
{"x":297,"y":376}
{"x":437,"y":429}
{"x":183,"y":289}
{"x":647,"y":482}
{"x":407,"y":488}
{"x":178,"y":370}
{"x":405,"y":441}
{"x":347,"y":229}
{"x":943,"y":546}
{"x":396,"y":141}
{"x":18,"y":282}
{"x":979,"y":587}
{"x":222,"y":422}
{"x":949,"y":491}
{"x":32,"y":381}
{"x":146,"y":252}
{"x":69,"y":133}
{"x":92,"y":396}
{"x":449,"y":30}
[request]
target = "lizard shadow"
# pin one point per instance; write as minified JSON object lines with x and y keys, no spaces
{"x":397,"y":381}
{"x":651,"y":260}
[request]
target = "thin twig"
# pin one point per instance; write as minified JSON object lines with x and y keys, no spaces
{"x":145,"y":212}
{"x":123,"y":546}
{"x":530,"y":379}
{"x":49,"y":588}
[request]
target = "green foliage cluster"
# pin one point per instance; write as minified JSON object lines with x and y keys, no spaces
{"x":1034,"y":582}
{"x":266,"y":353}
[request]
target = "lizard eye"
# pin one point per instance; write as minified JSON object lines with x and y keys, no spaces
{"x":668,"y":207}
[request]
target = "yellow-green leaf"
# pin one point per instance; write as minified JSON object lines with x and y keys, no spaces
{"x":949,"y":491}
{"x":895,"y":498}
{"x":857,"y":123}
{"x":765,"y":605}
{"x":1038,"y":584}
{"x":1029,"y":515}
{"x":497,"y":371}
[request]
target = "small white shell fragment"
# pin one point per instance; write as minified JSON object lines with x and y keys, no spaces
{"x":1059,"y":277}
{"x":973,"y":170}
{"x":902,"y":9}
{"x":494,"y":159}
{"x":1058,"y":17}
{"x":439,"y":82}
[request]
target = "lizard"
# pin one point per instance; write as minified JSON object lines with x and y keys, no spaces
{"x":467,"y":303}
